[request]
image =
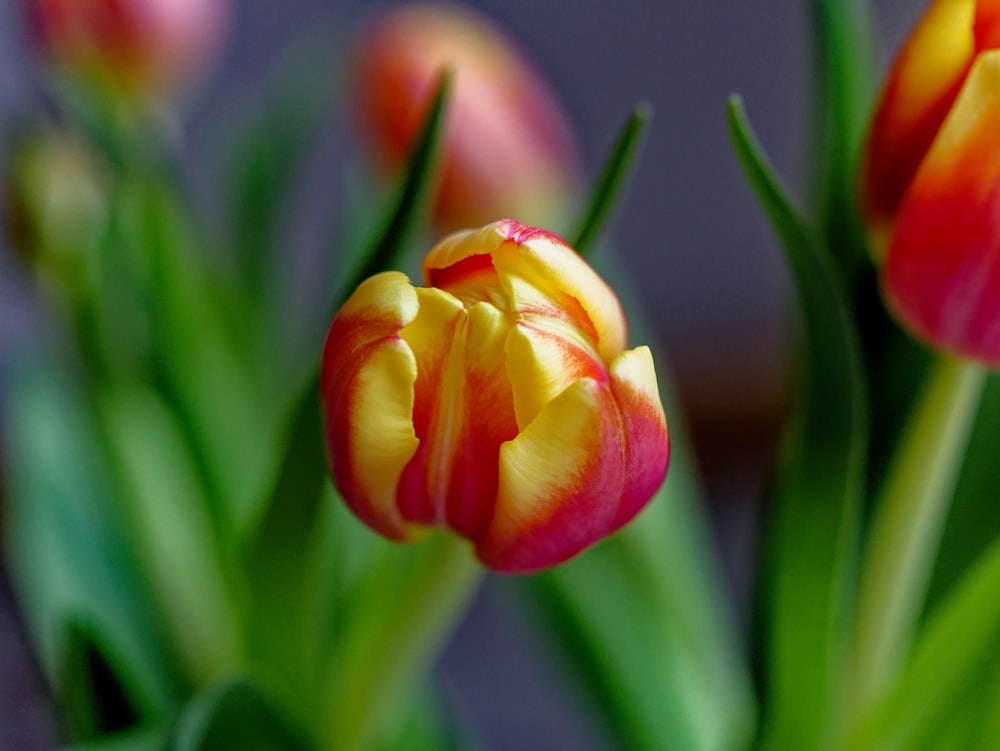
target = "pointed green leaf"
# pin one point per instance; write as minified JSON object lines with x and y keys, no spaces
{"x":612,"y":179}
{"x":414,"y":192}
{"x":846,"y":73}
{"x":813,"y":525}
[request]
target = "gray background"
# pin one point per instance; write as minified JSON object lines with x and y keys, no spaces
{"x":688,"y":228}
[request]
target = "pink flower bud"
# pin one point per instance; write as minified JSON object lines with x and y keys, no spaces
{"x":499,"y":401}
{"x":140,"y":47}
{"x":507,"y":150}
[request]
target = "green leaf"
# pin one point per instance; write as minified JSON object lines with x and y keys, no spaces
{"x":68,"y":555}
{"x":153,"y":738}
{"x":279,"y":554}
{"x":974,"y":521}
{"x":846,"y":73}
{"x":227,"y":415}
{"x":961,"y":634}
{"x":813,"y":525}
{"x":410,"y":203}
{"x":168,"y":522}
{"x":405,"y":605}
{"x":643,"y":619}
{"x":236,"y":716}
{"x":92,"y":700}
{"x":612,"y":179}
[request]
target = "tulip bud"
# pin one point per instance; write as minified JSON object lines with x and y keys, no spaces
{"x":138,"y":47}
{"x":55,"y":203}
{"x":507,"y":148}
{"x":499,"y":401}
{"x":931,"y":180}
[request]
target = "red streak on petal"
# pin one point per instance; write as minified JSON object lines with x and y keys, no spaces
{"x":942,"y":274}
{"x":587,"y":513}
{"x":471,"y":267}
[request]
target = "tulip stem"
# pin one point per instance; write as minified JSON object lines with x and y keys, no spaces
{"x":908,"y":524}
{"x":408,"y":606}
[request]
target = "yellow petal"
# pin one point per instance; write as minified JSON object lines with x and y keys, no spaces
{"x":370,"y":433}
{"x":561,"y":480}
{"x":544,"y":356}
{"x":552,"y":271}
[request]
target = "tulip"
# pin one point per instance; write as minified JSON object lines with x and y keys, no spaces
{"x":507,"y":148}
{"x":931,"y":180}
{"x":55,"y":203}
{"x":139,"y":47}
{"x":498,"y":402}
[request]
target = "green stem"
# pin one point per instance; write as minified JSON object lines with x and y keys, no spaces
{"x":407,"y":609}
{"x":909,"y":519}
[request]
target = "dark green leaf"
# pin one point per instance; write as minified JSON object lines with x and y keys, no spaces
{"x":236,"y":716}
{"x":277,"y":559}
{"x":411,"y":201}
{"x":153,"y":738}
{"x":846,"y":75}
{"x":93,"y":701}
{"x":813,"y":525}
{"x":612,"y":179}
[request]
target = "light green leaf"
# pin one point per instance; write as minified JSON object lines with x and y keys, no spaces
{"x":411,"y":201}
{"x":68,"y":556}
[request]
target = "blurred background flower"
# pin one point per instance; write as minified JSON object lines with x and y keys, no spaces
{"x":932,"y":179}
{"x":139,"y":48}
{"x":508,"y":149}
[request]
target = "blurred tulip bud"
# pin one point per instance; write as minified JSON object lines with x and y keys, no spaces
{"x":55,"y":203}
{"x":507,"y":149}
{"x":499,"y":401}
{"x":141,"y":48}
{"x":931,"y":182}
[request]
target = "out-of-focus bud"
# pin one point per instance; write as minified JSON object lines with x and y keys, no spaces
{"x":140,"y":48}
{"x":499,"y":401}
{"x":507,"y":148}
{"x":931,"y":181}
{"x":55,"y":203}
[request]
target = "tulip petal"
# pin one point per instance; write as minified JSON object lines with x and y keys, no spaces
{"x":560,"y":276}
{"x":921,"y":88}
{"x":544,"y":356}
{"x":561,"y":480}
{"x":437,"y":338}
{"x":942,"y":274}
{"x":647,"y":441}
{"x":488,"y":423}
{"x":367,"y":387}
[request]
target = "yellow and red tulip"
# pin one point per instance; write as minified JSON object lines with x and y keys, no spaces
{"x":931,"y":182}
{"x":140,"y":47}
{"x":499,"y":401}
{"x":507,"y":147}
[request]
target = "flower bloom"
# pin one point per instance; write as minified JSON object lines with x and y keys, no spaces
{"x":931,"y":182}
{"x":141,"y":47}
{"x":499,"y":401}
{"x":507,"y":148}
